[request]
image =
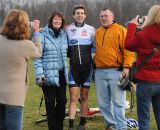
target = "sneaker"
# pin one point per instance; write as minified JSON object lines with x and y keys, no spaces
{"x":132,"y":123}
{"x":70,"y":128}
{"x":81,"y":127}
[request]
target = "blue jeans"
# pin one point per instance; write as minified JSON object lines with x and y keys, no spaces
{"x":111,"y":98}
{"x":11,"y":117}
{"x":147,"y":94}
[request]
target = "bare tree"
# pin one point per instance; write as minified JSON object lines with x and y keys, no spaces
{"x":124,"y":9}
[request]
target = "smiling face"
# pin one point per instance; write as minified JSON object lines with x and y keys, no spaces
{"x":57,"y":22}
{"x":79,"y":15}
{"x":106,"y":18}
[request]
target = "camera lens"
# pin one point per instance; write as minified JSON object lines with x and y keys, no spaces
{"x":141,"y":20}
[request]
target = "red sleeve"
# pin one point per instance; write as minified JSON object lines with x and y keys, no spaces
{"x":131,"y":42}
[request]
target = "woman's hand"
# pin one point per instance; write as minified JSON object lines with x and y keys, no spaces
{"x":41,"y":81}
{"x":125,"y":72}
{"x":36,"y":25}
{"x":143,"y":24}
{"x":135,"y":20}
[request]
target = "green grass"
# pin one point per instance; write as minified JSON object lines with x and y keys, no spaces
{"x":31,"y":113}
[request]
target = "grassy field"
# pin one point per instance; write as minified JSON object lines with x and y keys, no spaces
{"x":31,"y":113}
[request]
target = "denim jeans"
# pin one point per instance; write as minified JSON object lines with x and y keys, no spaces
{"x":147,"y":94}
{"x":111,"y":98}
{"x":11,"y":117}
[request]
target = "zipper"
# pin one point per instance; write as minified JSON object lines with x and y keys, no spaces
{"x":104,"y":36}
{"x":79,"y":53}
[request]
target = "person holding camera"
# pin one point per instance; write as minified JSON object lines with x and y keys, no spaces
{"x":15,"y":51}
{"x":52,"y":70}
{"x":112,"y":62}
{"x":148,"y":76}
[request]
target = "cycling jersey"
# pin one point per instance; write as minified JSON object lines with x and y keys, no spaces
{"x":80,"y":41}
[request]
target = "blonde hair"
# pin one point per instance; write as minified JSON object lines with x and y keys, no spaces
{"x":16,"y":25}
{"x":153,"y":16}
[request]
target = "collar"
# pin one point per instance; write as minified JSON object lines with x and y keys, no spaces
{"x":79,"y":24}
{"x":110,"y":25}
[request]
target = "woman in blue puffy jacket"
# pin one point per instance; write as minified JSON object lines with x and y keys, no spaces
{"x":52,"y":70}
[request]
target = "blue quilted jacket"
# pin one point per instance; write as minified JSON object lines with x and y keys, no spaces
{"x":48,"y":65}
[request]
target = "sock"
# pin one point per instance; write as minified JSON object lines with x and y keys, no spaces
{"x":82,"y":121}
{"x":71,"y":121}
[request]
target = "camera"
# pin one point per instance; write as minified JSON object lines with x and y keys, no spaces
{"x":32,"y":24}
{"x":140,"y":20}
{"x":125,"y":84}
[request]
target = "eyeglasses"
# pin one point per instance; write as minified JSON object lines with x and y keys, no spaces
{"x":103,"y":16}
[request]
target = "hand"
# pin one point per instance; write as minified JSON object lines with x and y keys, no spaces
{"x":125,"y":72}
{"x":135,"y":20}
{"x":142,"y":25}
{"x":36,"y":25}
{"x":41,"y":81}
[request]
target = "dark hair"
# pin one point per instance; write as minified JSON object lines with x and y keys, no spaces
{"x":16,"y":25}
{"x":55,"y":13}
{"x":79,"y":7}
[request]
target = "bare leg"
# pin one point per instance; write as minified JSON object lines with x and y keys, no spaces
{"x":74,"y":93}
{"x":84,"y":101}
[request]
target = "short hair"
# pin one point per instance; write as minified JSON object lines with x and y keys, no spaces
{"x":16,"y":25}
{"x":153,"y":16}
{"x":109,"y":10}
{"x":55,"y":13}
{"x":76,"y":7}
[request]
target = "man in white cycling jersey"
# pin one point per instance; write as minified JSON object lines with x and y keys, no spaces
{"x":80,"y":40}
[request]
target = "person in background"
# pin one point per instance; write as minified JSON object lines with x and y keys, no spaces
{"x":15,"y":51}
{"x":112,"y":62}
{"x":51,"y":70}
{"x":148,"y":76}
{"x":80,"y":40}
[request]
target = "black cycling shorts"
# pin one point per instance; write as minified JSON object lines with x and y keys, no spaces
{"x":80,"y":75}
